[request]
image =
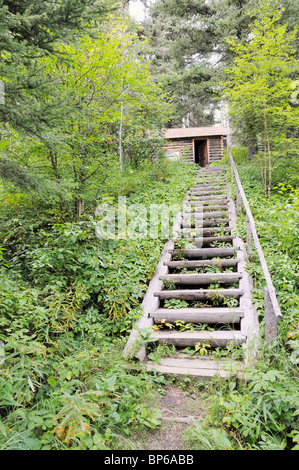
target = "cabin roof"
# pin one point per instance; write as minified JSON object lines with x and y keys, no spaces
{"x":177,"y":133}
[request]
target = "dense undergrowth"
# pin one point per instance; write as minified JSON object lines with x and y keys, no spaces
{"x":68,"y":300}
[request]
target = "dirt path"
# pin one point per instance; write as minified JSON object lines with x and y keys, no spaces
{"x":179,"y":410}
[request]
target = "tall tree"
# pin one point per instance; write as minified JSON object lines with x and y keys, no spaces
{"x":30,"y":30}
{"x":110,"y":102}
{"x":259,"y":86}
{"x":191,"y":51}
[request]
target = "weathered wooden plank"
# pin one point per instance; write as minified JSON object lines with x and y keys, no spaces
{"x":198,"y":294}
{"x":204,"y":208}
{"x":149,"y":304}
{"x":204,"y":186}
{"x":226,"y":263}
{"x":212,"y":199}
{"x":207,"y":193}
{"x":204,"y":222}
{"x":201,"y":278}
{"x":204,"y":230}
{"x":200,"y":374}
{"x":192,"y":253}
{"x":204,"y":215}
{"x":205,"y":240}
{"x":198,"y":315}
{"x":195,"y":363}
{"x":186,"y":338}
{"x":223,"y":207}
{"x":270,"y":317}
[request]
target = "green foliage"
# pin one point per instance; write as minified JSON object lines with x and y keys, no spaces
{"x":30,"y":31}
{"x":68,"y":300}
{"x":263,"y":413}
{"x":206,"y":438}
{"x":277,"y":226}
{"x":190,"y":51}
{"x":259,"y":89}
{"x":100,"y":111}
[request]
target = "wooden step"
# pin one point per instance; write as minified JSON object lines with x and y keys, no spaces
{"x":205,"y":223}
{"x":192,"y":253}
{"x":205,"y":231}
{"x":201,"y":278}
{"x":200,"y":178}
{"x":198,"y":263}
{"x":204,"y":203}
{"x":214,"y":208}
{"x":204,"y":186}
{"x":198,"y":294}
{"x":210,"y":182}
{"x":218,"y":198}
{"x":201,"y":369}
{"x":207,"y":240}
{"x":183,"y":339}
{"x":207,"y":187}
{"x":198,"y":315}
{"x":211,"y":170}
{"x":207,"y":192}
{"x":205,"y":215}
{"x":211,"y":222}
{"x":201,"y":201}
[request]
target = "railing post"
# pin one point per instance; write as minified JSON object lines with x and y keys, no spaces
{"x":239,"y":202}
{"x":249,"y":235}
{"x":270,"y":317}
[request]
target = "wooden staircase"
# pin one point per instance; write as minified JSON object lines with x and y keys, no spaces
{"x":199,"y":302}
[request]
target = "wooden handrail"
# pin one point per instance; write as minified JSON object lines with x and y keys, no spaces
{"x":271,"y":302}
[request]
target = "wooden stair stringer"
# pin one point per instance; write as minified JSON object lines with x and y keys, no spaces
{"x":150,"y":303}
{"x":134,"y":347}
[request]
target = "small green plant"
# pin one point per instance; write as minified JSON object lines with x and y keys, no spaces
{"x":175,"y":303}
{"x":168,"y":285}
{"x":202,"y":348}
{"x":161,"y":351}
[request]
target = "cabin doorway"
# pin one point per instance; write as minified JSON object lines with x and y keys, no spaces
{"x":201,"y":154}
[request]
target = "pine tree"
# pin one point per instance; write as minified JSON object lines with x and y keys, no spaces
{"x":30,"y":29}
{"x":191,"y":51}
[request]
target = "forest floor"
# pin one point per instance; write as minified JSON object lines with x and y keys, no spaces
{"x":180,"y":409}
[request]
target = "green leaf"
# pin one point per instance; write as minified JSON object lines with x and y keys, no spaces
{"x":52,"y":381}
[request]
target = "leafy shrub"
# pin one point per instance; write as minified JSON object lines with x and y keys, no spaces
{"x":68,"y":300}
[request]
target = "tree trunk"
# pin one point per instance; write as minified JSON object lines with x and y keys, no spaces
{"x":79,"y":204}
{"x":252,"y":149}
{"x":267,"y":156}
{"x":121,"y":157}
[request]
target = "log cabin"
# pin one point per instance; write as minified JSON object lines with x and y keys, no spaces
{"x":200,"y":145}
